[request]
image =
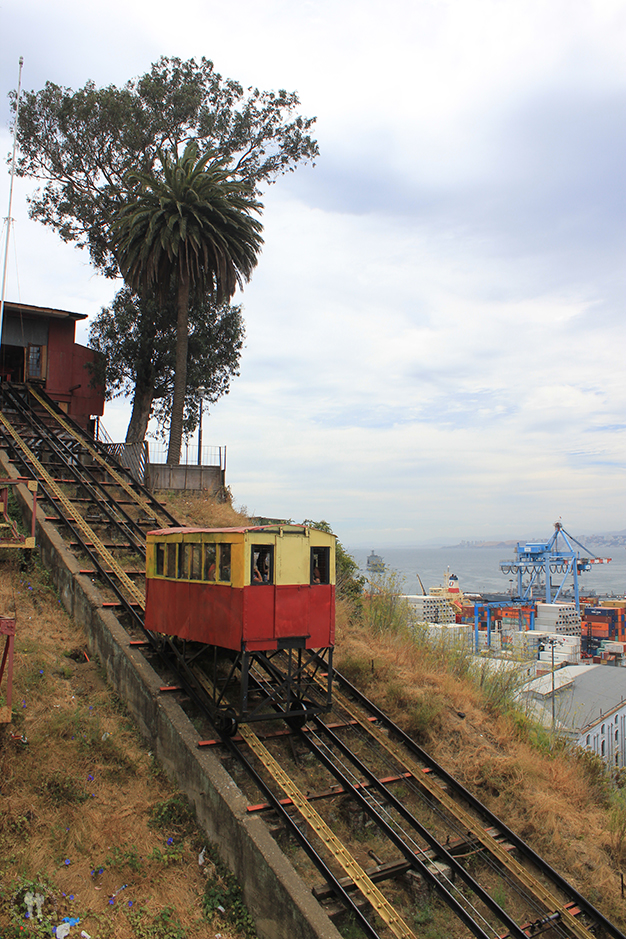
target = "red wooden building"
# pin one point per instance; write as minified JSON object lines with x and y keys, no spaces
{"x":38,"y":345}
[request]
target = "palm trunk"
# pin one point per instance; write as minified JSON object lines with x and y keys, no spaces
{"x":180,"y":378}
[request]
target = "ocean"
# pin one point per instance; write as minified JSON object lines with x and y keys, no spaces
{"x":478,"y":569}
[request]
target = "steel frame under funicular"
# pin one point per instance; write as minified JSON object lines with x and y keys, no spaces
{"x":254,"y":686}
{"x":548,"y":558}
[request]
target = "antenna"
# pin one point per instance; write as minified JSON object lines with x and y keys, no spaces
{"x":8,"y":218}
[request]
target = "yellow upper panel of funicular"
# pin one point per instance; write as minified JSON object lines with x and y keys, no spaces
{"x":292,"y":549}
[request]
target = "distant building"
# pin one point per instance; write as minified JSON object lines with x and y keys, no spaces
{"x":589,"y":708}
{"x":39,"y":346}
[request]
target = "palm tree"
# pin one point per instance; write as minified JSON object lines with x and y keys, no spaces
{"x":188,"y":225}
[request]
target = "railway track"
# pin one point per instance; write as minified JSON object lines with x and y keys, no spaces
{"x":431,"y":831}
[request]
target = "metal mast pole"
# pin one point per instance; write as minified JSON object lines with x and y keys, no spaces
{"x":9,"y":220}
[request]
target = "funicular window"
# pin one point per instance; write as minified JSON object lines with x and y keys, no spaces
{"x":225,"y":562}
{"x":171,"y":559}
{"x":183,"y":561}
{"x":195,"y":562}
{"x":262,"y":559}
{"x":209,"y":562}
{"x":159,"y":559}
{"x":320,"y":565}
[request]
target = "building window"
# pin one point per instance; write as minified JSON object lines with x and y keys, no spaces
{"x":35,"y":361}
{"x":588,"y":739}
{"x":262,"y":564}
{"x":225,"y":562}
{"x":602,"y":729}
{"x":320,"y":565}
{"x":602,"y":749}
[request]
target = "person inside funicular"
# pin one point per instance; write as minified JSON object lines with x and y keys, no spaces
{"x":261,"y":565}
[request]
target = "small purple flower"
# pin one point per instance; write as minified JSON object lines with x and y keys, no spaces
{"x":111,"y":902}
{"x":67,"y":862}
{"x":170,"y":841}
{"x":130,"y":902}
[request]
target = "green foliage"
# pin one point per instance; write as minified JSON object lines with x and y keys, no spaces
{"x":123,"y":858}
{"x":138,"y":338}
{"x":82,"y":144}
{"x":172,"y":854}
{"x":185,"y":226}
{"x":31,"y":907}
{"x":173,"y":816}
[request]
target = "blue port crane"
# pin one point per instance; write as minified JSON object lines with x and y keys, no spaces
{"x":556,"y":559}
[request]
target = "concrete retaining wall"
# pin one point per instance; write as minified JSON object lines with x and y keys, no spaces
{"x":185,"y":476}
{"x":282,"y":906}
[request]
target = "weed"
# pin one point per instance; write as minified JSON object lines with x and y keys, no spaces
{"x":498,"y":893}
{"x":31,"y":906}
{"x":423,"y":914}
{"x":161,"y":925}
{"x":596,"y":771}
{"x":119,"y":859}
{"x":350,"y":929}
{"x":170,"y":855}
{"x":174,"y":814}
{"x":223,"y":894}
{"x":20,"y":825}
{"x":63,"y":790}
{"x":422,"y":715}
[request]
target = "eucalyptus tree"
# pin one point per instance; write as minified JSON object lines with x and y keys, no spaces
{"x":81,"y":145}
{"x":187,"y":225}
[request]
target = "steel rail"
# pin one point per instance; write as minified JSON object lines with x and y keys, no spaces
{"x":410,"y":854}
{"x":399,"y":838}
{"x":79,"y":521}
{"x":142,"y":498}
{"x":367,"y":887}
{"x":426,"y":780}
{"x":84,"y":478}
{"x":201,"y":680}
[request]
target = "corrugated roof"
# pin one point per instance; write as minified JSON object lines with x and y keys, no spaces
{"x":585,"y":693}
{"x":26,"y":309}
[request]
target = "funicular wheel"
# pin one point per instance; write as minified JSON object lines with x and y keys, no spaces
{"x":297,"y":721}
{"x":226,"y":722}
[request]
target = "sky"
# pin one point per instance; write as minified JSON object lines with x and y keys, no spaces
{"x":435,"y":330}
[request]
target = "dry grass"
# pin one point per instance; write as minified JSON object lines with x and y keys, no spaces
{"x":201,"y":511}
{"x":84,"y":790}
{"x":559,"y":802}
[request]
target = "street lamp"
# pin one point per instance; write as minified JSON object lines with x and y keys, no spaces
{"x":201,"y":392}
